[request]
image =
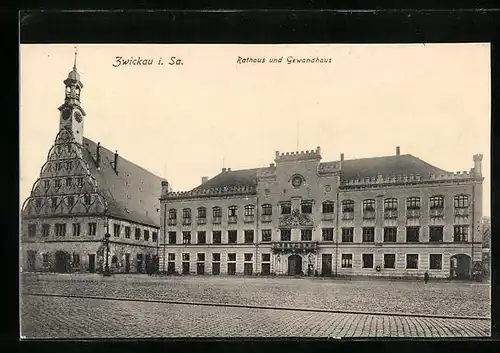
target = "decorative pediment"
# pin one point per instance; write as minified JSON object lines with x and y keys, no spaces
{"x":295,"y":220}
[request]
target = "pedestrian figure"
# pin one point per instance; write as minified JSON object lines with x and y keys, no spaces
{"x":426,"y":277}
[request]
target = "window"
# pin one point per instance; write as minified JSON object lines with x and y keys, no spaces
{"x":436,"y":202}
{"x":232,"y":211}
{"x":202,"y":212}
{"x":38,"y":203}
{"x":412,"y":261}
{"x":390,"y":234}
{"x":54,"y":202}
{"x":267,"y":210}
{"x":46,"y":184}
{"x":248,"y":236}
{"x":391,"y":204}
{"x":31,"y":230}
{"x":248,"y":257}
{"x":71,"y":201}
{"x":172,"y":214}
{"x":185,"y":256}
{"x":435,"y":261}
{"x":92,"y":228}
{"x":412,"y":234}
{"x":45,"y":230}
{"x":306,"y":234}
{"x":45,"y":260}
{"x":87,"y":199}
{"x":68,"y":181}
{"x":413,"y":203}
{"x":59,"y":166}
{"x":347,"y":235}
{"x":186,"y":237}
{"x":306,"y":207}
{"x":217,"y":237}
{"x":216,"y":257}
{"x":127,"y":232}
{"x":232,"y":236}
{"x":327,"y":207}
{"x":201,"y":257}
{"x":348,"y":206}
{"x":172,"y":237}
{"x":327,"y":234}
{"x":266,"y":257}
{"x":80,"y":181}
{"x":217,"y":212}
{"x":171,"y":256}
{"x":436,"y":233}
{"x":186,"y":213}
{"x":389,"y":260}
{"x":76,"y":229}
{"x":60,"y":230}
{"x":286,"y":208}
{"x":69,"y":165}
{"x":116,"y":230}
{"x":346,"y":261}
{"x":249,"y":210}
{"x":76,"y":260}
{"x":369,"y":205}
{"x":137,"y":233}
{"x":155,"y":237}
{"x":266,"y":235}
{"x":368,"y":234}
{"x":367,"y":260}
{"x":286,"y":234}
{"x":231,"y":257}
{"x":146,"y":235}
{"x":202,"y":237}
{"x":461,"y":201}
{"x":231,"y":267}
{"x":460,"y":233}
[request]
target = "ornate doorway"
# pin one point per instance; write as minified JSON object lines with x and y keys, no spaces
{"x":460,"y":266}
{"x":62,"y":262}
{"x":294,"y":265}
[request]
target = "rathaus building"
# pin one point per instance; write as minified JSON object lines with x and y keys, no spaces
{"x":393,"y":216}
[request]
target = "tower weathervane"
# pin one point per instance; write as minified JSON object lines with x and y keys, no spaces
{"x":76,"y":54}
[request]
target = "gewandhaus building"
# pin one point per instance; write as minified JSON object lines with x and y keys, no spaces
{"x":387,"y":216}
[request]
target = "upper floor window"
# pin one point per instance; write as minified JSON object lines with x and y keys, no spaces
{"x":146,"y":235}
{"x":46,"y":184}
{"x":327,"y":207}
{"x":32,"y":230}
{"x":232,"y":211}
{"x":217,"y":212}
{"x":59,"y":166}
{"x":390,"y":204}
{"x":348,"y":206}
{"x":172,"y":213}
{"x":71,"y":201}
{"x":54,"y":202}
{"x":127,"y":232}
{"x":436,"y":202}
{"x":57,"y":183}
{"x":60,"y":230}
{"x":80,"y":181}
{"x":249,"y":210}
{"x":461,"y":201}
{"x":68,"y":181}
{"x":186,"y":213}
{"x":306,"y":207}
{"x":69,"y":165}
{"x":286,"y":208}
{"x":202,"y":212}
{"x":38,"y":203}
{"x":87,"y":199}
{"x":92,"y":228}
{"x":137,"y":233}
{"x":267,"y":210}
{"x":413,"y":203}
{"x":368,"y":205}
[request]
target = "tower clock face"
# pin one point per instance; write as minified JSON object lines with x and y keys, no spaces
{"x":78,"y":116}
{"x":66,"y":113}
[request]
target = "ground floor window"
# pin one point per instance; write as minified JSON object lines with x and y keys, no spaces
{"x":346,"y":260}
{"x":231,"y":265}
{"x":216,"y":264}
{"x":45,"y":260}
{"x":185,"y":263}
{"x":412,"y":261}
{"x":266,"y":266}
{"x":200,"y":265}
{"x":435,"y":261}
{"x":367,"y":260}
{"x":389,"y":260}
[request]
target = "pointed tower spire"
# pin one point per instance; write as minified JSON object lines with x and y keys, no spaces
{"x":76,"y":54}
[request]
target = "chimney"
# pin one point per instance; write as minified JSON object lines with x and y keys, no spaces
{"x":398,"y":151}
{"x":204,"y":179}
{"x":98,"y":155}
{"x":115,"y":164}
{"x":223,"y":170}
{"x":341,"y":157}
{"x":271,"y":165}
{"x":478,"y":158}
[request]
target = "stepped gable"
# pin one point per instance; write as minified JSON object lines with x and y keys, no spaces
{"x":133,"y":193}
{"x":405,"y":164}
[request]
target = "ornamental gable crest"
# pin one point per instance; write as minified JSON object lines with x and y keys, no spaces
{"x":296,"y":219}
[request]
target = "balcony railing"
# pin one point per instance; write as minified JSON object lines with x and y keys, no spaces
{"x":216,"y":220}
{"x":172,"y":222}
{"x":232,"y":219}
{"x":347,"y":215}
{"x":186,"y":221}
{"x":249,"y":219}
{"x":295,"y":247}
{"x":368,"y":214}
{"x":413,"y":213}
{"x":201,"y":220}
{"x":266,"y":218}
{"x":463,"y":212}
{"x":436,"y":213}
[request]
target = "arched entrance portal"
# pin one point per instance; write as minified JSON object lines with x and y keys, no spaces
{"x":460,"y":266}
{"x":62,"y":262}
{"x":294,"y":265}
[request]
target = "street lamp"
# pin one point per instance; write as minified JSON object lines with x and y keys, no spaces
{"x":106,"y":267}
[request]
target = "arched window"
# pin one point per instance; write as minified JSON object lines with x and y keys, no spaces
{"x":390,"y":204}
{"x":348,"y":206}
{"x":249,"y":210}
{"x":327,"y":207}
{"x":114,"y":260}
{"x":202,"y":212}
{"x":369,"y":205}
{"x":232,"y":211}
{"x":436,"y":201}
{"x":217,"y":212}
{"x":267,"y":210}
{"x":186,"y":213}
{"x":172,"y":213}
{"x":413,"y":203}
{"x":461,"y":201}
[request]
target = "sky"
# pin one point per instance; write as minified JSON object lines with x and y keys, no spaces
{"x":212,"y":110}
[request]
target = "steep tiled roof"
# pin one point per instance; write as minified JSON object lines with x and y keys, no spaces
{"x":132,"y":193}
{"x":351,"y":169}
